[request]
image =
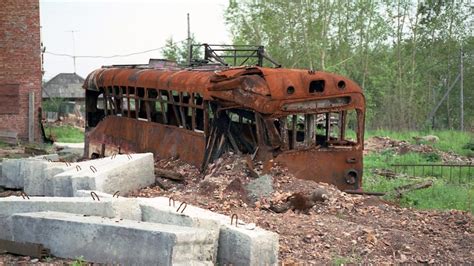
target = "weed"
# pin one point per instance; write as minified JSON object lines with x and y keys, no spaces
{"x":79,"y":261}
{"x":338,"y":260}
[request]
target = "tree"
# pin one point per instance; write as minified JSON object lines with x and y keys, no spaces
{"x":403,"y":53}
{"x":178,"y":51}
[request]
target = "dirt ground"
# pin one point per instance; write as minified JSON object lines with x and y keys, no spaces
{"x":340,"y":229}
{"x":343,"y":229}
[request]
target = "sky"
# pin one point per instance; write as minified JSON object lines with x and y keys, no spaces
{"x":105,"y":28}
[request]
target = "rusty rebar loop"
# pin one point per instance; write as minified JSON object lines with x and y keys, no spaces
{"x":169,"y":201}
{"x":93,"y":169}
{"x":92,"y":195}
{"x":67,"y":164}
{"x":117,"y":193}
{"x":129,"y":156}
{"x":24,"y":195}
{"x":185,"y":205}
{"x":113,"y":156}
{"x":50,"y":161}
{"x":78,"y":168}
{"x":232,"y":219}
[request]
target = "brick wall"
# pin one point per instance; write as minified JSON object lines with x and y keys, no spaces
{"x":20,"y":63}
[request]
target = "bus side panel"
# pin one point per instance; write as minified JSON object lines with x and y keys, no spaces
{"x":330,"y":166}
{"x":127,"y":135}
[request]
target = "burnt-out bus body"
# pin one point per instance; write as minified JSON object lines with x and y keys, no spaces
{"x":311,"y":122}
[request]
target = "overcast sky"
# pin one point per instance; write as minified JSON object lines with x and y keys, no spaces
{"x":107,"y":28}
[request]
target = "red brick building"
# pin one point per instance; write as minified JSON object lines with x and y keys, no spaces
{"x":20,"y":69}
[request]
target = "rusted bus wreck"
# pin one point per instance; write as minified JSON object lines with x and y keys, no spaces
{"x":299,"y":118}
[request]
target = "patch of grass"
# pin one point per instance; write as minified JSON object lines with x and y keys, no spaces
{"x":3,"y":144}
{"x":338,"y":260}
{"x":449,"y":190}
{"x":65,"y":134}
{"x":79,"y":261}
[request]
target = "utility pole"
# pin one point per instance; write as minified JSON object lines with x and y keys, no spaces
{"x":462,"y":89}
{"x":73,"y":49}
{"x":189,"y":42}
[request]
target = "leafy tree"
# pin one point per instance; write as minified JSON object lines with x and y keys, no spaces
{"x":178,"y":51}
{"x":405,"y":53}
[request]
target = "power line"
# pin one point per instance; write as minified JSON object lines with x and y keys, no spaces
{"x":107,"y":56}
{"x":102,"y":56}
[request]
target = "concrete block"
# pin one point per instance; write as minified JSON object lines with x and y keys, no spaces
{"x":104,"y":240}
{"x":15,"y":171}
{"x":244,"y":246}
{"x":37,"y":174}
{"x":241,"y":245}
{"x":11,"y":174}
{"x":106,"y":207}
{"x":123,"y":173}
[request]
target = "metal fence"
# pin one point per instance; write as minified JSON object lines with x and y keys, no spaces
{"x":452,"y":173}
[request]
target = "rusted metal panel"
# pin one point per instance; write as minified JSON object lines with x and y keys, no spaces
{"x":253,"y":85}
{"x":131,"y":135}
{"x":331,"y":166}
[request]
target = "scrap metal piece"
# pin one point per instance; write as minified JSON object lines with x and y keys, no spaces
{"x":96,"y":196}
{"x":185,"y":205}
{"x":232,"y":219}
{"x":24,"y":195}
{"x":169,"y":201}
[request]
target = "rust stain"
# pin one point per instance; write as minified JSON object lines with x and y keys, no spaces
{"x":125,"y":135}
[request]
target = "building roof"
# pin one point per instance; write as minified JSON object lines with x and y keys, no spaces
{"x":64,"y":85}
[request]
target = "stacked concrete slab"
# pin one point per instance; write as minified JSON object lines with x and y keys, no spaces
{"x":218,"y":241}
{"x":15,"y":171}
{"x":111,"y":208}
{"x":104,"y":240}
{"x":40,"y":176}
{"x":238,"y":244}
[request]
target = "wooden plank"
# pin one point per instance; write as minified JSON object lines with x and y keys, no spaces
{"x":9,"y":137}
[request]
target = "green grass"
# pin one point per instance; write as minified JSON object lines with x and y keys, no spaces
{"x":448,"y":190}
{"x":3,"y":144}
{"x":65,"y":134}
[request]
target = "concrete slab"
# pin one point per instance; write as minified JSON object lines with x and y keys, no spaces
{"x":106,"y":207}
{"x":104,"y":240}
{"x":15,"y":171}
{"x":122,"y":173}
{"x":245,"y":244}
